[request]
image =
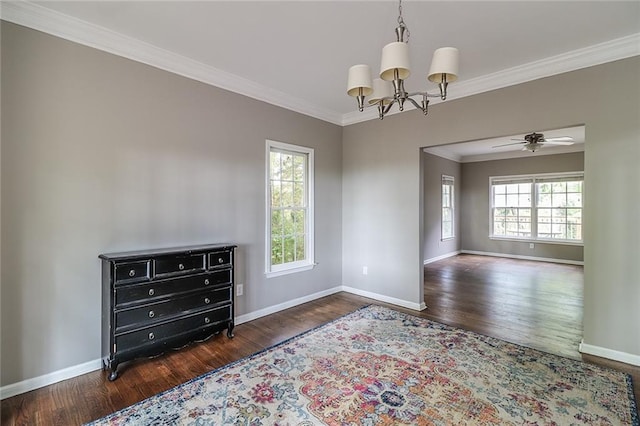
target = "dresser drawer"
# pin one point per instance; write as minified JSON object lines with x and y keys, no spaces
{"x":154,"y":312}
{"x":130,"y":272}
{"x":178,"y":264}
{"x":149,"y":291}
{"x":220,"y":259}
{"x":156,"y":334}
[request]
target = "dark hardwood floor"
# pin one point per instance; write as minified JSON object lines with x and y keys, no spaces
{"x":530,"y":303}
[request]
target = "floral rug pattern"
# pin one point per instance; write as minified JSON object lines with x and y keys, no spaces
{"x":377,"y":366}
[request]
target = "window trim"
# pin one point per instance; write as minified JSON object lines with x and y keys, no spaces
{"x":309,"y":262}
{"x":453,"y":207}
{"x":534,"y":214}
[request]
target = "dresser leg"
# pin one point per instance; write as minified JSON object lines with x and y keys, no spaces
{"x":113,"y":374}
{"x":230,"y":330}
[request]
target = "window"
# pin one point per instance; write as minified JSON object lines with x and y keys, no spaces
{"x":447,"y":207}
{"x":539,"y":207}
{"x":289,"y":242}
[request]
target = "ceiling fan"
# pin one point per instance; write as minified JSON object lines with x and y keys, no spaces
{"x":534,"y":141}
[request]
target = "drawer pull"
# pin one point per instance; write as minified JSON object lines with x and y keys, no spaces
{"x":181,"y":266}
{"x":132,"y":273}
{"x":206,"y":281}
{"x":206,"y":300}
{"x":207,"y":320}
{"x":151,"y":292}
{"x":220,"y":260}
{"x":152,"y":336}
{"x":152,"y":314}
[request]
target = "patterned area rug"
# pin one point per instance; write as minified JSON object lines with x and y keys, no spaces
{"x":377,"y":366}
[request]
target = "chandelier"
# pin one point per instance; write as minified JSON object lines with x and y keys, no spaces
{"x":389,"y":89}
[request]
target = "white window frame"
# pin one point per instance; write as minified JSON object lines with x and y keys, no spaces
{"x":532,"y":179}
{"x":309,"y":262}
{"x":449,"y":181}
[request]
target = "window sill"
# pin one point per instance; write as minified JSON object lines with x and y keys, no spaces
{"x":288,"y":271}
{"x":538,"y":241}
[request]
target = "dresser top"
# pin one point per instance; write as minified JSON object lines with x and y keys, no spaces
{"x":168,"y":250}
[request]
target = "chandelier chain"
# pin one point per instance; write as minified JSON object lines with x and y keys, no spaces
{"x":401,"y":21}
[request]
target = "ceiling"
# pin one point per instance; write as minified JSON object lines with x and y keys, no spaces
{"x":488,"y":149}
{"x":296,"y":54}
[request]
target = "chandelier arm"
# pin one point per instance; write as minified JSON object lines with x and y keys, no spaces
{"x":427,"y":94}
{"x":415,"y":104}
{"x":382,"y":109}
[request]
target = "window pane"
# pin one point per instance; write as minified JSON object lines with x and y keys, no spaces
{"x":287,"y":167}
{"x":299,"y":166}
{"x":276,"y":251}
{"x":276,"y":194}
{"x":298,"y":194}
{"x":559,"y":186}
{"x":574,"y":200}
{"x":447,"y":232}
{"x":287,"y":194}
{"x":300,"y":247}
{"x":574,"y":186}
{"x":275,"y":165}
{"x":276,"y":222}
{"x":289,"y":249}
{"x":544,"y":200}
{"x":298,"y":218}
{"x":559,"y":200}
{"x":288,"y":226}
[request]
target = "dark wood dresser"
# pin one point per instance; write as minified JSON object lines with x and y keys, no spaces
{"x":154,"y":300}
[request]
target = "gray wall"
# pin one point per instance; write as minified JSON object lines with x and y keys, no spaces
{"x":383,"y":200}
{"x":434,"y":167}
{"x":103,"y":154}
{"x":475,"y":204}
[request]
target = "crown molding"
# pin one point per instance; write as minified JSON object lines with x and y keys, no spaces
{"x":60,"y":25}
{"x":69,"y":28}
{"x":613,"y":50}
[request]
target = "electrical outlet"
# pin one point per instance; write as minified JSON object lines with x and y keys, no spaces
{"x":239,"y":289}
{"x":531,"y":245}
{"x":365,"y":270}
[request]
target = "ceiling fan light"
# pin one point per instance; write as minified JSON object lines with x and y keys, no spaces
{"x":381,"y":89}
{"x":444,"y":63}
{"x":395,"y":56}
{"x":359,"y":78}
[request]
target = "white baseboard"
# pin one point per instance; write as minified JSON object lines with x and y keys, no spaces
{"x":444,"y":256}
{"x":627,"y":358}
{"x":80,"y":369}
{"x":517,"y":256}
{"x":405,"y":304}
{"x":286,"y":305}
{"x":49,"y":379}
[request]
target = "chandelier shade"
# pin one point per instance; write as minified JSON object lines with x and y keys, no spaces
{"x":382,"y":92}
{"x":395,"y":57}
{"x":359,"y":78}
{"x":444,"y":64}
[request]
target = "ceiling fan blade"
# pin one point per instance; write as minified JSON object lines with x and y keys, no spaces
{"x":559,"y":139}
{"x":552,"y":142}
{"x":518,"y":139}
{"x":507,"y":144}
